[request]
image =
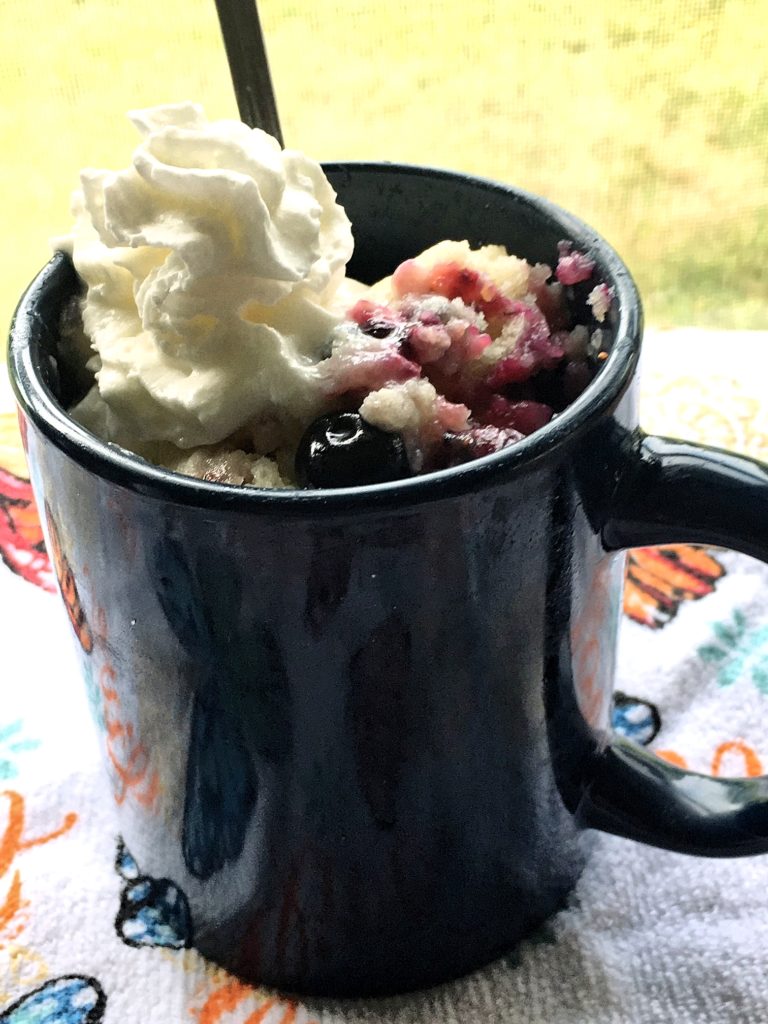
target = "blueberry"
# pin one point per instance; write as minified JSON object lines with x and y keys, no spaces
{"x":342,"y":450}
{"x":384,"y":327}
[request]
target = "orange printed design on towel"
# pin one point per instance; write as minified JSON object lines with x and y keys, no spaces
{"x":752,"y":763}
{"x":223,"y":1001}
{"x":673,"y":757}
{"x":750,"y":759}
{"x":660,"y":580}
{"x":128,"y":757}
{"x":12,"y":843}
{"x":68,"y":586}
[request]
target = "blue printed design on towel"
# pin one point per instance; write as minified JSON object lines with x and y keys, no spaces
{"x":738,"y":652}
{"x":153,"y":911}
{"x":11,"y":744}
{"x":125,"y":865}
{"x":635,"y":719}
{"x":72,"y":999}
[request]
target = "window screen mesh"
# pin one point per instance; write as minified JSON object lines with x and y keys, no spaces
{"x":648,"y":118}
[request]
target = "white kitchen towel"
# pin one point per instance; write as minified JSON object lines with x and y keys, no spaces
{"x":649,"y":937}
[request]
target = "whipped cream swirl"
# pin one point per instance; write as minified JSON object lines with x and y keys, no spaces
{"x":211,"y":266}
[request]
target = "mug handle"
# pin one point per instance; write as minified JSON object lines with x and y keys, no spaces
{"x":673,"y":492}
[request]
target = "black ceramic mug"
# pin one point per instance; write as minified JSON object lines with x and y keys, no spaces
{"x":361,"y":734}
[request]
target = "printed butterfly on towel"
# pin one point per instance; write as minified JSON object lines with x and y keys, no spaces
{"x":660,"y":580}
{"x":71,"y":999}
{"x":153,"y":911}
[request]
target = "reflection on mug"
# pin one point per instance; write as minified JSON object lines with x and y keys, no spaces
{"x":68,"y":585}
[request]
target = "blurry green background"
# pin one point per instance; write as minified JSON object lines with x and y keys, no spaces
{"x":648,"y":118}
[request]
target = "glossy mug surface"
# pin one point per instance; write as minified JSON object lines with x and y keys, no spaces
{"x":366,"y":731}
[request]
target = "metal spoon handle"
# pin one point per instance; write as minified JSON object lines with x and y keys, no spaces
{"x":248,"y":65}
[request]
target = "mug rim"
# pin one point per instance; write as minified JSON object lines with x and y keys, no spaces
{"x":126,"y":469}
